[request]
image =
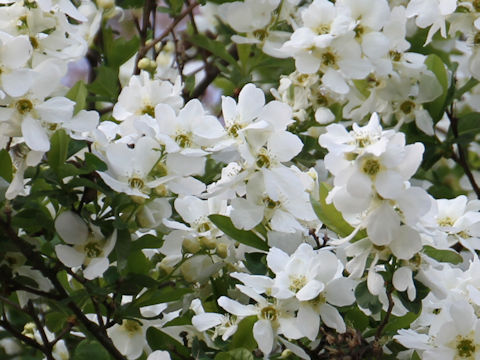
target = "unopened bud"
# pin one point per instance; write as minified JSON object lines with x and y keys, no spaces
{"x":191,"y":246}
{"x":208,"y":242}
{"x":222,"y":250}
{"x":286,"y":353}
{"x":106,"y":4}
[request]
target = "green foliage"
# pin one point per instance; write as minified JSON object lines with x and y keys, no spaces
{"x":441,"y":255}
{"x":5,"y":165}
{"x":78,"y":93}
{"x":88,"y":350}
{"x":437,"y":106}
{"x":366,"y":300}
{"x":242,"y":236}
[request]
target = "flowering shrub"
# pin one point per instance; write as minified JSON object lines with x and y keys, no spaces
{"x":238,"y":180}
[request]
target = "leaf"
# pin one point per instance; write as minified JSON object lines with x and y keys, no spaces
{"x":331,"y":217}
{"x":128,"y":4}
{"x":147,"y":242}
{"x":242,"y":236}
{"x":106,"y":83}
{"x":158,"y":340}
{"x":215,"y":47}
{"x":95,"y":163}
{"x":55,"y":321}
{"x":443,"y":255}
{"x":163,"y":295}
{"x":78,"y":93}
{"x":118,"y":50}
{"x":436,"y":108}
{"x":396,"y":323}
{"x":356,"y":319}
{"x":58,"y":149}
{"x":138,"y":263}
{"x":88,"y":350}
{"x":6,"y":165}
{"x":366,"y":300}
{"x":255,"y":263}
{"x":122,"y":248}
{"x":243,"y":337}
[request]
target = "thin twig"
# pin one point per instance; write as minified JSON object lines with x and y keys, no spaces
{"x":144,"y":50}
{"x":461,"y":159}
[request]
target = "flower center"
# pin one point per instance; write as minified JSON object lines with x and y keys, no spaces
{"x":92,"y":250}
{"x":446,"y":221}
{"x":371,"y":167}
{"x":131,"y":326}
{"x":407,"y":107}
{"x":148,"y":110}
{"x":465,"y":347}
{"x":268,"y":313}
{"x":183,"y":140}
{"x":136,"y":183}
{"x":297,"y":283}
{"x":24,"y":106}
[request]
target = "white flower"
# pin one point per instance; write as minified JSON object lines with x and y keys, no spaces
{"x":87,"y":246}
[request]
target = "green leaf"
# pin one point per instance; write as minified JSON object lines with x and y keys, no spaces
{"x":88,"y":350}
{"x":55,"y":321}
{"x":436,"y":108}
{"x":163,"y":295}
{"x":147,"y":242}
{"x":215,"y":47}
{"x":138,"y":263}
{"x":239,"y":354}
{"x":255,"y":263}
{"x":94,"y":162}
{"x":106,"y":83}
{"x":122,"y":248}
{"x":331,"y":217}
{"x":78,"y":93}
{"x":128,"y":4}
{"x":443,"y":255}
{"x":6,"y":165}
{"x":396,"y":323}
{"x":366,"y":300}
{"x":356,"y":319}
{"x":242,"y":236}
{"x":243,"y":337}
{"x":58,"y":149}
{"x":158,"y":340}
{"x":118,"y":50}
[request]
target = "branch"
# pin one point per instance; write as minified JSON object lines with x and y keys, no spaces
{"x":461,"y":159}
{"x":144,"y":50}
{"x":51,"y":274}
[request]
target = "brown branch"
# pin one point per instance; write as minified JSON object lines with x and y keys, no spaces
{"x":144,"y":50}
{"x":51,"y":274}
{"x":461,"y":159}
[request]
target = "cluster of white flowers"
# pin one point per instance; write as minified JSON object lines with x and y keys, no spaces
{"x":37,"y":43}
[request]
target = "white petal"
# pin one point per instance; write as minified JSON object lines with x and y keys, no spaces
{"x":310,"y":290}
{"x":235,"y":308}
{"x":96,"y":268}
{"x":406,"y":243}
{"x":17,"y":83}
{"x":277,"y":259}
{"x":56,"y":110}
{"x":340,"y":292}
{"x":389,"y":184}
{"x":332,"y":318}
{"x":284,"y":145}
{"x":335,"y":82}
{"x":69,"y":256}
{"x":71,"y":228}
{"x":245,"y":214}
{"x":263,"y":334}
{"x":402,"y":278}
{"x":206,"y":321}
{"x":35,"y":135}
{"x":383,"y":224}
